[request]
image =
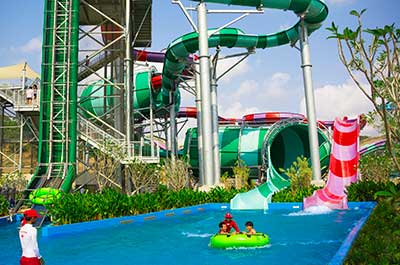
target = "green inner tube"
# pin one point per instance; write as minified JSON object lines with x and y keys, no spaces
{"x":239,"y":240}
{"x":44,"y":196}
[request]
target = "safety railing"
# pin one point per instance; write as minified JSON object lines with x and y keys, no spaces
{"x":21,"y":99}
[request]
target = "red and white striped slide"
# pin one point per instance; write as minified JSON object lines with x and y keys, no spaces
{"x":343,"y":166}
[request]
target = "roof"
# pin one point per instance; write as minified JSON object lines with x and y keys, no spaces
{"x":15,"y":71}
{"x":114,"y":9}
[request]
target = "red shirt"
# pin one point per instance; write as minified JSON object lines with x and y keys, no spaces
{"x":231,"y":224}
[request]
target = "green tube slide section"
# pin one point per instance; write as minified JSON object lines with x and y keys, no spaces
{"x":315,"y":12}
{"x":56,"y":154}
{"x":261,"y":147}
{"x":97,"y":98}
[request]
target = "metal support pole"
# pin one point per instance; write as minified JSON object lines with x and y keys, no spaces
{"x":199,"y":120}
{"x":215,"y":134}
{"x":23,"y":81}
{"x":172,"y":120}
{"x":310,"y":104}
{"x":129,"y":74}
{"x":208,"y":157}
{"x":21,"y":142}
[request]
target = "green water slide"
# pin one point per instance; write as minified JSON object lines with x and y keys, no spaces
{"x":268,"y":148}
{"x":289,"y":142}
{"x":58,"y":101}
{"x":92,"y":98}
{"x":315,"y":12}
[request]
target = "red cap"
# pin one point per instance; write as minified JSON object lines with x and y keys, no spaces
{"x":228,"y":215}
{"x":31,"y":213}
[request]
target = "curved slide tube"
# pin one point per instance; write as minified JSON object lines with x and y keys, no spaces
{"x":372,"y":147}
{"x":342,"y":168}
{"x":284,"y":145}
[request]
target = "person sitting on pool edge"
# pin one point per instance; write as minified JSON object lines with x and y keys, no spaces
{"x":249,"y":228}
{"x":222,"y":229}
{"x":230,"y":223}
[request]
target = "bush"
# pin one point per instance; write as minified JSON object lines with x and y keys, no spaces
{"x":365,"y":190}
{"x":299,"y":173}
{"x":175,"y":174}
{"x":376,"y":166}
{"x":241,"y":174}
{"x":379,"y":239}
{"x":4,"y":205}
{"x":77,"y":207}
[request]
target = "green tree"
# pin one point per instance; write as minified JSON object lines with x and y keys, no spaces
{"x":372,"y":56}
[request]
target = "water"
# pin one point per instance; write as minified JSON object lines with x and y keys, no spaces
{"x":296,"y":238}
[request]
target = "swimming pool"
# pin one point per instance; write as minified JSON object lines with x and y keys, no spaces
{"x":296,"y":238}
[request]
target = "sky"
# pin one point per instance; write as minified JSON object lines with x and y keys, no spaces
{"x":269,"y":80}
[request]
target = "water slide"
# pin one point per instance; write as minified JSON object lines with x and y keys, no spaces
{"x":343,"y":167}
{"x":57,"y":133}
{"x":58,"y":101}
{"x":372,"y":147}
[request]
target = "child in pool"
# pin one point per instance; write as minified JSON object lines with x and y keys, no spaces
{"x":249,"y":228}
{"x":223,"y":229}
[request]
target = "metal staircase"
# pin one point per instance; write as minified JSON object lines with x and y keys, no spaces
{"x":115,"y":144}
{"x":86,"y":68}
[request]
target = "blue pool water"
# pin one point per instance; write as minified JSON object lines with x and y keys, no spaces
{"x":296,"y":238}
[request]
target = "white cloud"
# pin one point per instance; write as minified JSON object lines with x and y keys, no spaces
{"x":247,"y":87}
{"x":340,"y":100}
{"x":32,"y":46}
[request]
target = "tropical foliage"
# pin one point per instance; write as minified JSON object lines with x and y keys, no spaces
{"x":372,"y":59}
{"x":77,"y":207}
{"x":4,"y":205}
{"x":376,"y":166}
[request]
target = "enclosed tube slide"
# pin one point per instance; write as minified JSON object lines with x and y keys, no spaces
{"x":146,"y":86}
{"x":343,"y":167}
{"x":282,"y":145}
{"x":265,"y":148}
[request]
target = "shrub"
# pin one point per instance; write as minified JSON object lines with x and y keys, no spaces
{"x":299,"y":173}
{"x":175,"y":174}
{"x":77,"y":207}
{"x":241,"y":174}
{"x":4,"y":205}
{"x":143,"y":177}
{"x":365,"y":190}
{"x":376,"y":166}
